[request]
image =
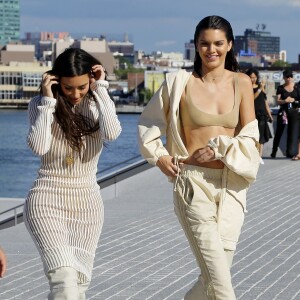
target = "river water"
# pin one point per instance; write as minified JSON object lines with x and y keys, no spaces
{"x":18,"y":165}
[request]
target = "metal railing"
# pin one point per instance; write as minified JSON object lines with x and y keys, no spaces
{"x":123,"y":163}
{"x":12,"y":219}
{"x":104,"y":181}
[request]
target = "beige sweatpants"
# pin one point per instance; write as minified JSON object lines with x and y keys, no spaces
{"x":197,"y":194}
{"x":64,"y":284}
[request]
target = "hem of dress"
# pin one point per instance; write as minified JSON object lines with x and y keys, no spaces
{"x":55,"y":258}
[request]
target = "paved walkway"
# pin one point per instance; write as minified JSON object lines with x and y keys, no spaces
{"x":143,"y":254}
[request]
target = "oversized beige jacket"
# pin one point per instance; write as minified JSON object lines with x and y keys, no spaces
{"x":161,"y":118}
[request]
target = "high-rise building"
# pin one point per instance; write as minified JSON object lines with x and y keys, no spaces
{"x":9,"y":21}
{"x":189,"y":50}
{"x":259,"y":43}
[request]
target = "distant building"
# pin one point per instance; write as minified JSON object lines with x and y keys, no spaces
{"x":123,"y":48}
{"x":135,"y":83}
{"x":173,"y":56}
{"x":259,"y":43}
{"x":153,"y":80}
{"x":17,"y":53}
{"x":49,"y":45}
{"x":43,"y":42}
{"x":189,"y":50}
{"x":282,"y":55}
{"x":21,"y":71}
{"x":163,"y":61}
{"x":58,"y":46}
{"x":19,"y":82}
{"x":9,"y":21}
{"x":249,"y":59}
{"x":138,"y":58}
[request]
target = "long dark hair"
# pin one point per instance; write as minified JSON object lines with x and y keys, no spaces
{"x":215,"y":22}
{"x":254,"y":71}
{"x":73,"y":62}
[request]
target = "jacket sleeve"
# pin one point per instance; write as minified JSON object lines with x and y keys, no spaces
{"x":239,"y":153}
{"x":110,"y":126}
{"x":153,"y":124}
{"x":40,"y":112}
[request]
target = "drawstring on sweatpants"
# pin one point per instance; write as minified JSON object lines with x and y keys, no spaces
{"x":177,"y":175}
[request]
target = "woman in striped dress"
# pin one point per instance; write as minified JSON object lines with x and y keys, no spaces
{"x":69,"y":121}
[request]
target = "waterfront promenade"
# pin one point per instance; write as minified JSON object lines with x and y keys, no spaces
{"x":143,"y":254}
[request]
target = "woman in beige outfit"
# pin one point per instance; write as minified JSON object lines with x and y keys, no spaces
{"x":211,"y":152}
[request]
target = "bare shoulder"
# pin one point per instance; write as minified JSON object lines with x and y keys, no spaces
{"x":244,"y":80}
{"x":246,"y":89}
{"x":247,"y":113}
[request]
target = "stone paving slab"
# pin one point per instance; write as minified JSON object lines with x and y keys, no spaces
{"x":143,"y":253}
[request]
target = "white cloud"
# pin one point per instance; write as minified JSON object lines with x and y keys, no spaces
{"x":273,"y":3}
{"x":295,"y":3}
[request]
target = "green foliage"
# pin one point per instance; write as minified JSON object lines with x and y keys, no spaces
{"x":144,"y":96}
{"x":121,"y":74}
{"x":281,"y":64}
{"x":125,"y":67}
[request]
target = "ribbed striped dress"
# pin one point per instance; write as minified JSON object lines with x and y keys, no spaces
{"x":63,"y":210}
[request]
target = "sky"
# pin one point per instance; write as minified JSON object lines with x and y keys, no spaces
{"x":161,"y":25}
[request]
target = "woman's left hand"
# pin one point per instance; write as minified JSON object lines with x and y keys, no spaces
{"x":205,"y":154}
{"x":289,"y":99}
{"x":97,"y":73}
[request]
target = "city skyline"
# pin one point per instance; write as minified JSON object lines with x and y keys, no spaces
{"x":163,"y":25}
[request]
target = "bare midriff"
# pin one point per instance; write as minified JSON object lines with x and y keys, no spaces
{"x":207,"y":113}
{"x":197,"y":138}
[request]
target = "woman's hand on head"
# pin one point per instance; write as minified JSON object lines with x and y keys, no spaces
{"x":167,"y":165}
{"x":205,"y":154}
{"x":47,"y":82}
{"x":97,"y":73}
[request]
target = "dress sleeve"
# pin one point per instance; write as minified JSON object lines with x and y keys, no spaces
{"x":279,"y":90}
{"x":40,"y":112}
{"x":153,"y":124}
{"x":110,"y":126}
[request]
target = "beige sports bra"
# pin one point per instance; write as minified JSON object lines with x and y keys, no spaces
{"x":192,"y":116}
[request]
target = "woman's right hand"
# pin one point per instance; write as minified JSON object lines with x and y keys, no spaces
{"x":47,"y":82}
{"x":167,"y":165}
